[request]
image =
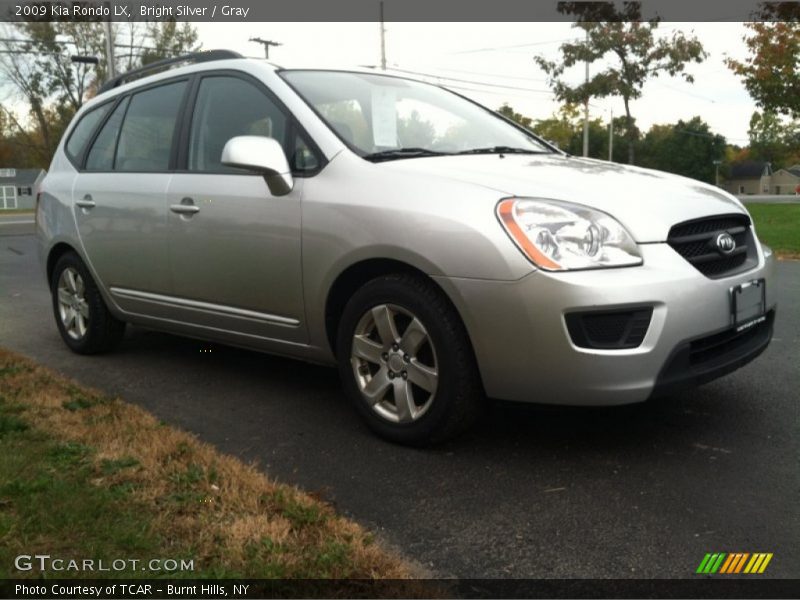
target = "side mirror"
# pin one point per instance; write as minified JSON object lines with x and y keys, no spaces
{"x":263,"y":155}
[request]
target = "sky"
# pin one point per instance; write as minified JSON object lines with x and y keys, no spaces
{"x":495,"y":63}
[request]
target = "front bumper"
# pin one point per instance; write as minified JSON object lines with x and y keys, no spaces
{"x":525,"y":352}
{"x":708,"y":357}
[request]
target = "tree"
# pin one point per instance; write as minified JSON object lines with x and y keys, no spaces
{"x":36,"y":61}
{"x":635,"y":55}
{"x":347,"y":118}
{"x":686,"y":148}
{"x":44,"y":78}
{"x":518,"y":118}
{"x":598,"y":140}
{"x":415,"y":132}
{"x":141,"y":44}
{"x":627,"y":139}
{"x":565,"y":129}
{"x":6,"y":149}
{"x":167,"y":39}
{"x":771,"y":73}
{"x":773,"y":139}
{"x":560,"y":128}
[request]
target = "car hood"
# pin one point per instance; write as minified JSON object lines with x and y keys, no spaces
{"x":645,"y":201}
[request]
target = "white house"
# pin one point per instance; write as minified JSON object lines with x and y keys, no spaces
{"x":18,"y":187}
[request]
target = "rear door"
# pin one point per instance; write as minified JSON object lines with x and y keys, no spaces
{"x":120,"y":195}
{"x":235,"y":249}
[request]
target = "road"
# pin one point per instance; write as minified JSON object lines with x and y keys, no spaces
{"x":641,"y":491}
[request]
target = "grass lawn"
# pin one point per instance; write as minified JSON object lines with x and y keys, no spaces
{"x":86,"y":476}
{"x":778,"y":226}
{"x":17,"y":211}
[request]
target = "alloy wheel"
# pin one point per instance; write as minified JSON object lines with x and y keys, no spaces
{"x":394,"y":363}
{"x":73,"y":309}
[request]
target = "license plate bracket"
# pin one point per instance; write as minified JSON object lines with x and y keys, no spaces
{"x":748,"y":302}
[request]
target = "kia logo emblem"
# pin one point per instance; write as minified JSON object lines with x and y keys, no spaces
{"x":725,"y":243}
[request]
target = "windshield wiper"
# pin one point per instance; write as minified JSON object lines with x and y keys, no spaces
{"x":395,"y":153}
{"x":502,"y":150}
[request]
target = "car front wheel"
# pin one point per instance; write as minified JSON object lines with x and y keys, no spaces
{"x":406,"y":361}
{"x":84,"y":321}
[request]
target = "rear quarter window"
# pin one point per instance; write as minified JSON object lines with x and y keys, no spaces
{"x":82,"y":132}
{"x":101,"y":156}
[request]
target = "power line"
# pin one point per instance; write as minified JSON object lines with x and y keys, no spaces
{"x":481,"y":83}
{"x":495,"y":75}
{"x":696,"y":133}
{"x":512,"y":46}
{"x":71,"y":43}
{"x":708,"y":135}
{"x":26,"y":52}
{"x":498,"y":93}
{"x":471,"y":81}
{"x":659,"y":29}
{"x":18,"y":41}
{"x":450,"y":86}
{"x":677,"y":89}
{"x":446,"y":83}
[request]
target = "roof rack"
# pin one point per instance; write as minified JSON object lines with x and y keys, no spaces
{"x":195,"y":57}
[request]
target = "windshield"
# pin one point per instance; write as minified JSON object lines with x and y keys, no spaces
{"x":383,"y":117}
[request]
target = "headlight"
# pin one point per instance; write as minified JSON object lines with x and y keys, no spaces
{"x":559,"y":236}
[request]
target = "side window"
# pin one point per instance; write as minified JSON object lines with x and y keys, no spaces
{"x":101,"y":156}
{"x":227,"y":107}
{"x":84,"y":129}
{"x":145,"y":141}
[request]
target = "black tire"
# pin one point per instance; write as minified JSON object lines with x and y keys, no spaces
{"x":103,"y":331}
{"x":458,"y":398}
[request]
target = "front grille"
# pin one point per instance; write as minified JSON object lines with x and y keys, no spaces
{"x":696,"y":242}
{"x":609,"y":330}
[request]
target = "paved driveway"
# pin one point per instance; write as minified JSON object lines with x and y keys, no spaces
{"x":642,"y":491}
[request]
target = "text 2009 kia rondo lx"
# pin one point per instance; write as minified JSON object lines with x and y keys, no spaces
{"x":435,"y":251}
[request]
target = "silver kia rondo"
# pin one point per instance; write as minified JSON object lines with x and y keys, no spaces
{"x":436,"y":252}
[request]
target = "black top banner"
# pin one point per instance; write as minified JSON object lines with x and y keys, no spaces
{"x":394,"y":10}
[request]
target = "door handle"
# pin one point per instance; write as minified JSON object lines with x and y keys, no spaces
{"x":86,"y":203}
{"x":183,"y":209}
{"x":186,"y":207}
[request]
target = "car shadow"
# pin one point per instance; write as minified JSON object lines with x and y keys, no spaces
{"x":311,"y":403}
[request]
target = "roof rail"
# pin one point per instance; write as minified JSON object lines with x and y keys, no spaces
{"x":193,"y":58}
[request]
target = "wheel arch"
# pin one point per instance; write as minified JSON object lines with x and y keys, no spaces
{"x":56,"y":252}
{"x":359,"y":273}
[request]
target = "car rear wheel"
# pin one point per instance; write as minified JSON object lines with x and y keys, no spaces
{"x":406,"y":361}
{"x":84,"y":321}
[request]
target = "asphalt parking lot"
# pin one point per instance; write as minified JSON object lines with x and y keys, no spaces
{"x":640,"y":491}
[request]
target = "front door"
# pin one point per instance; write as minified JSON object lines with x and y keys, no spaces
{"x":234,"y":248}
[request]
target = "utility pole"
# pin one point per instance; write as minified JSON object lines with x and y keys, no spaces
{"x":266,"y":44}
{"x":383,"y":40}
{"x":611,"y":137}
{"x":112,"y":68}
{"x":586,"y":109}
{"x":717,"y":163}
